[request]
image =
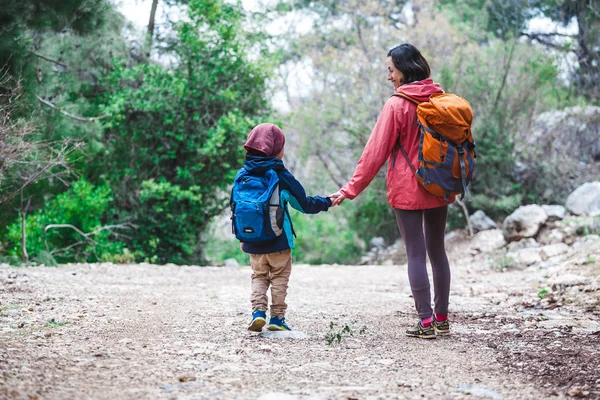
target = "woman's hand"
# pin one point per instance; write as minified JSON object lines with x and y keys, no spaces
{"x":337,"y":198}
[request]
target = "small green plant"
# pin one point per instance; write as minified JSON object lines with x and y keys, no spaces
{"x":13,"y":261}
{"x":125,"y":257}
{"x":542,"y":293}
{"x":45,"y":258}
{"x":590,"y":260}
{"x":502,"y":263}
{"x":54,"y":323}
{"x":337,"y":332}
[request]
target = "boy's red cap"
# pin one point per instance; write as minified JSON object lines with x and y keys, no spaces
{"x":267,"y":139}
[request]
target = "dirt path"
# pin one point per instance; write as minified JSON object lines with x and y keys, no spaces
{"x":107,"y":331}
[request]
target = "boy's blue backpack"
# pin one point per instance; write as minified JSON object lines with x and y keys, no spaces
{"x":256,"y":213}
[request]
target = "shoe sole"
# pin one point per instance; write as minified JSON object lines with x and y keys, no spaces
{"x":421,"y":336}
{"x":443,"y":333}
{"x":257,"y":325}
{"x":276,"y":328}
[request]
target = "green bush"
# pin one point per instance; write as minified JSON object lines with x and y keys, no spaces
{"x":326,"y":238}
{"x":83,"y":206}
{"x":322,"y":239}
{"x":219,"y":250}
{"x":168,"y":220}
{"x":370,"y":214}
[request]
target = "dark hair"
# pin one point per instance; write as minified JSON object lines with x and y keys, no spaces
{"x":409,"y":60}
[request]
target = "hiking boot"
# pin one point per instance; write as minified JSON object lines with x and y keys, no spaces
{"x":441,"y":328}
{"x":278,"y":324}
{"x":259,"y":319}
{"x":422,"y":332}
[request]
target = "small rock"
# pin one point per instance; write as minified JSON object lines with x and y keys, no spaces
{"x":522,"y":244}
{"x":568,"y":280}
{"x":377,"y":242}
{"x":553,"y":250}
{"x":577,"y":391}
{"x":21,"y":324}
{"x":167,"y":388}
{"x":488,"y":240}
{"x":154,"y":302}
{"x":231,"y":262}
{"x":480,"y":391}
{"x":284,"y":335}
{"x":524,"y":222}
{"x":554,"y":212}
{"x":187,"y":377}
{"x":481,"y":222}
{"x":525,"y":256}
{"x":47,"y":334}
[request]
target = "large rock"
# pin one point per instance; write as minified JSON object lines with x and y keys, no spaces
{"x":488,"y":240}
{"x":524,"y":222}
{"x":585,"y":200}
{"x":554,"y":212}
{"x":559,"y":152}
{"x":377,"y":242}
{"x":553,"y":250}
{"x":481,"y":222}
{"x":525,"y":257}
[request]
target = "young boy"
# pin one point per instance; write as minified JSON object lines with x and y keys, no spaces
{"x":271,"y":261}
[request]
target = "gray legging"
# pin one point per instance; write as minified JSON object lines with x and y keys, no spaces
{"x":417,"y":238}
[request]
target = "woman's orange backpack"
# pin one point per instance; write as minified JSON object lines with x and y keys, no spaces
{"x":446,"y":147}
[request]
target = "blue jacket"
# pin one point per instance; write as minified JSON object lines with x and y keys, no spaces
{"x":290,"y":191}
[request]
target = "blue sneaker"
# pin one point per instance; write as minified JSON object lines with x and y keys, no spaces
{"x":259,"y":319}
{"x":278,"y":324}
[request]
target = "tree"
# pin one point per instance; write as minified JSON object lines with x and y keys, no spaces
{"x":174,"y":140}
{"x":510,"y":18}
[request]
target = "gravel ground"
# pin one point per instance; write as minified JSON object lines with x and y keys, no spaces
{"x":104,"y":331}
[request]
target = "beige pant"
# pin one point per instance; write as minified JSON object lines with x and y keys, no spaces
{"x":271,"y":269}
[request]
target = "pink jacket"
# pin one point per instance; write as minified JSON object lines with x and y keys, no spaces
{"x":398,"y":119}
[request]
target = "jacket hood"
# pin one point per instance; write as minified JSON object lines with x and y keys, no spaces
{"x":420,"y":90}
{"x":259,"y":164}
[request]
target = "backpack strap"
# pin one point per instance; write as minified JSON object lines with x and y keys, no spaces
{"x":463,"y":172}
{"x":407,"y":97}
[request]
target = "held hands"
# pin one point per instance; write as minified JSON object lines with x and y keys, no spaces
{"x":337,"y":198}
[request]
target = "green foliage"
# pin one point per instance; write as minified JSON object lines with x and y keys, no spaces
{"x":542,"y":293}
{"x":322,"y":239}
{"x":509,"y":19}
{"x":45,"y":258}
{"x":83,"y":206}
{"x":174,"y":142}
{"x":168,"y":217}
{"x":325,"y":239}
{"x":504,"y":101}
{"x":337,"y":332}
{"x":218,"y":250}
{"x":372,"y":216}
{"x":24,"y":21}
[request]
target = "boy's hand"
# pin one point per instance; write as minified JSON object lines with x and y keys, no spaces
{"x":337,"y":198}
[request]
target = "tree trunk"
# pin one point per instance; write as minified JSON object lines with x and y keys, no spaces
{"x":24,"y":231}
{"x":466,"y":213}
{"x":151,"y":25}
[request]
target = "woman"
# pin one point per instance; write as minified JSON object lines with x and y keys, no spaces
{"x":409,"y":72}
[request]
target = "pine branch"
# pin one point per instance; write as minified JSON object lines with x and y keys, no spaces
{"x":68,"y":114}
{"x":50,"y":60}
